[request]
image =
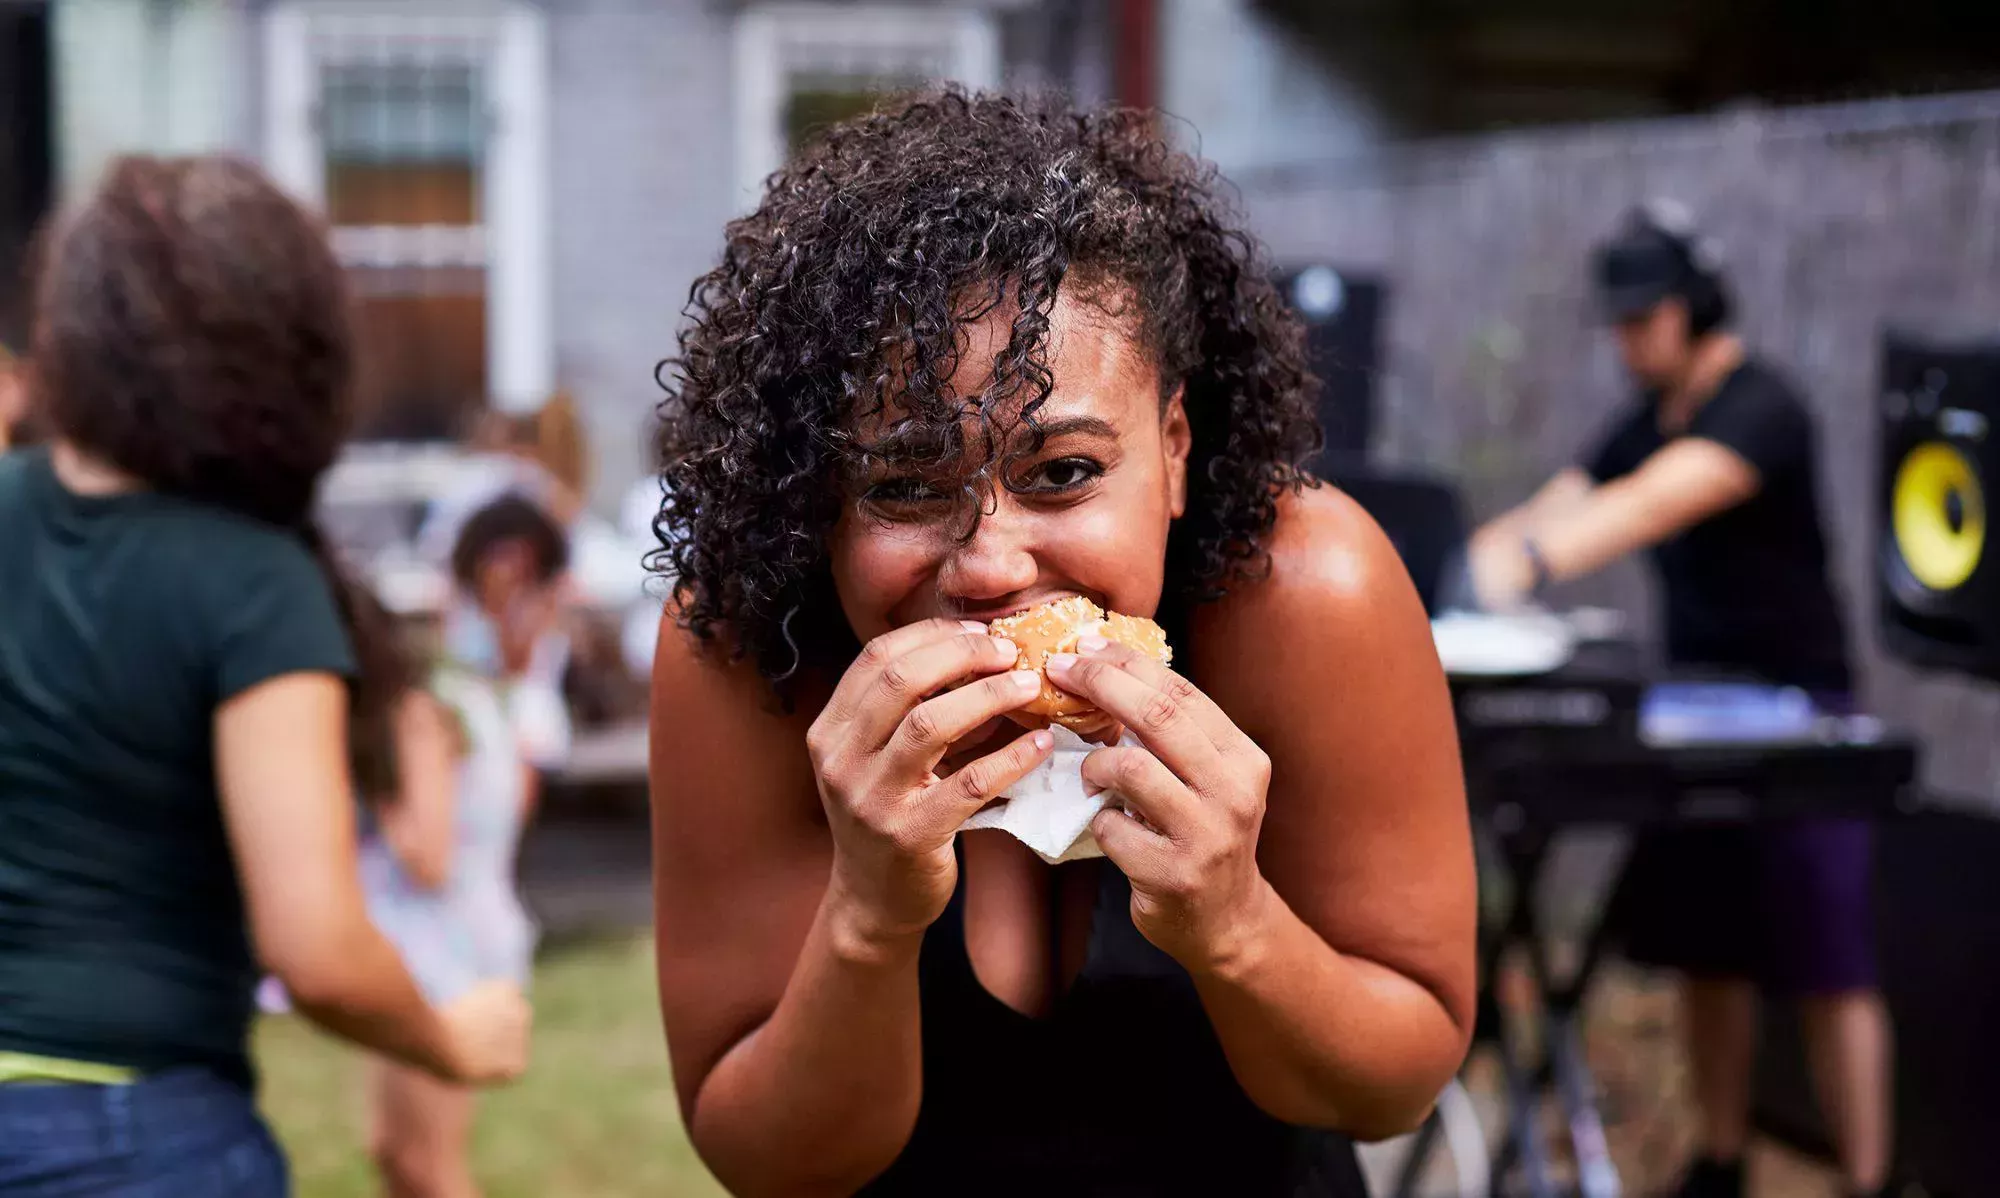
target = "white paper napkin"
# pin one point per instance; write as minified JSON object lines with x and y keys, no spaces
{"x":1050,"y":809}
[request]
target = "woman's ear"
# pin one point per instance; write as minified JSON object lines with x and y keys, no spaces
{"x":1175,"y":440}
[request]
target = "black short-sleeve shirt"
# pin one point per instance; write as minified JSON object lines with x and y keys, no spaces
{"x":124,"y":622}
{"x":1749,"y":588}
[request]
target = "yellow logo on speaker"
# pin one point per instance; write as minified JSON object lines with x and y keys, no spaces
{"x":1938,"y":515}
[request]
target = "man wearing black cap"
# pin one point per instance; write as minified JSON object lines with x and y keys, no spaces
{"x":1712,"y":469}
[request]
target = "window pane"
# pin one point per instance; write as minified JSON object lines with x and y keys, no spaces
{"x":440,"y":193}
{"x":403,"y":143}
{"x":401,"y":111}
{"x":404,"y":139}
{"x":422,"y":363}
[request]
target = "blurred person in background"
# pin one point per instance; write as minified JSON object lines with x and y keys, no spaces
{"x":1070,"y":375}
{"x":179,"y":671}
{"x":639,"y":634}
{"x":15,"y":422}
{"x":438,"y":866}
{"x":562,"y":449}
{"x":540,"y":458}
{"x":13,"y":397}
{"x":582,"y":671}
{"x":1713,"y":469}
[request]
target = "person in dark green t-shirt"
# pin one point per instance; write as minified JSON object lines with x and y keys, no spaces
{"x":177,"y":678}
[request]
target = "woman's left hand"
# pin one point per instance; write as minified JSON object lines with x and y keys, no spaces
{"x":1194,"y":802}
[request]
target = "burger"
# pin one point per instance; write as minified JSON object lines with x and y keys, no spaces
{"x":1056,"y":627}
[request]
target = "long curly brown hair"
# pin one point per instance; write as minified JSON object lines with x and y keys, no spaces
{"x":192,"y":329}
{"x":851,"y":287}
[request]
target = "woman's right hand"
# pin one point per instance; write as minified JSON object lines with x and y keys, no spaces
{"x":487,"y":1033}
{"x":875,"y":750}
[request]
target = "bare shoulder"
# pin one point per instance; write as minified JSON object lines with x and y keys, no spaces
{"x":1335,"y":591}
{"x":740,"y":850}
{"x":1325,"y":546}
{"x":696,"y":679}
{"x":725,"y":755}
{"x":1328,"y":664}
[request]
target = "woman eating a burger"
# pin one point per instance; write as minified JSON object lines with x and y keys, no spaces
{"x":972,"y":357}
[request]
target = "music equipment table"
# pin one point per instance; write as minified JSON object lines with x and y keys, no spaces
{"x":1548,"y":755}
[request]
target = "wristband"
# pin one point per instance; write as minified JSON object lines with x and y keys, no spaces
{"x":1538,"y":567}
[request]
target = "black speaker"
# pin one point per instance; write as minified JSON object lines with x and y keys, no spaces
{"x":1343,"y":318}
{"x":1937,"y":895}
{"x":1939,"y":578}
{"x":1422,"y":515}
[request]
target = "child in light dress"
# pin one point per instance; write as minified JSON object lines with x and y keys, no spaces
{"x":438,"y":866}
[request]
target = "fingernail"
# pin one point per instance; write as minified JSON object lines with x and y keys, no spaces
{"x":972,"y":626}
{"x":1043,"y":741}
{"x":1092,"y":643}
{"x":1008,"y":649}
{"x":1060,"y":663}
{"x":1026,"y":681}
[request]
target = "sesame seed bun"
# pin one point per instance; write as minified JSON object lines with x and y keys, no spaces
{"x":1056,"y":627}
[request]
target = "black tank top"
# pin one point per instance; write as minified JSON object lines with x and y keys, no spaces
{"x":1121,"y":1090}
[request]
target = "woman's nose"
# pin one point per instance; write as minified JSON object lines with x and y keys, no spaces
{"x":996,"y":562}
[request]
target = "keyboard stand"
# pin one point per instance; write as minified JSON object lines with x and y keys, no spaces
{"x":1554,"y":1068}
{"x":1524,"y":798}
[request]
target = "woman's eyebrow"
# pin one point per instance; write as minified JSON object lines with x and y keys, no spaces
{"x":916,"y":445}
{"x":1074,"y":426}
{"x":924,"y":445}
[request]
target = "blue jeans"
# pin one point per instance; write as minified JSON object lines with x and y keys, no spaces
{"x":184,"y":1133}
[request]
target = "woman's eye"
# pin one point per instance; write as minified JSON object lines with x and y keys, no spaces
{"x":900,"y":492}
{"x":1064,"y":474}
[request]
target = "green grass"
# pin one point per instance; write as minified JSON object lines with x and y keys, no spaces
{"x":594,"y":1117}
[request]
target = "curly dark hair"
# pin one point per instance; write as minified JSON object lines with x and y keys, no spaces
{"x":510,"y":518}
{"x":849,"y":289}
{"x":191,"y":328}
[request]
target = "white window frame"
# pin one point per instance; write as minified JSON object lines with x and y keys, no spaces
{"x":511,"y":39}
{"x":958,"y":44}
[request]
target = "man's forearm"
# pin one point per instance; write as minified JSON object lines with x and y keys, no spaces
{"x":1677,"y":488}
{"x":1616,"y":522}
{"x":1562,"y":494}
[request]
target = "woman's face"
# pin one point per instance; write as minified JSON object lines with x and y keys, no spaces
{"x":522,"y":606}
{"x":1087,"y":514}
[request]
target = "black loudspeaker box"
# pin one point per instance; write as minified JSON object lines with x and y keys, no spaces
{"x":1938,"y":576}
{"x":1343,"y":314}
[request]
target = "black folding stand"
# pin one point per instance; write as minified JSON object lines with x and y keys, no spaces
{"x":1528,"y":793}
{"x":1555,"y":1066}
